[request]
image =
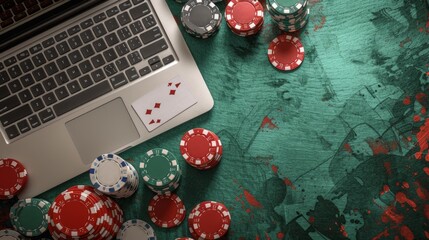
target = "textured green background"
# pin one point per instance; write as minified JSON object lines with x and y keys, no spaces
{"x":325,"y":152}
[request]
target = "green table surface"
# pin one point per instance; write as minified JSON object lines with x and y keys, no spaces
{"x":334,"y":150}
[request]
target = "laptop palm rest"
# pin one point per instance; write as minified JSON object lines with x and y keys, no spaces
{"x":102,"y":130}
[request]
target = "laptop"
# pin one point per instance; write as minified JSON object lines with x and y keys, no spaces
{"x":82,"y":78}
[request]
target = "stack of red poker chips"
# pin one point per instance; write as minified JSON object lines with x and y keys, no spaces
{"x":201,"y":148}
{"x":13,"y":177}
{"x":166,"y":210}
{"x":80,"y":212}
{"x":244,"y":17}
{"x":209,"y":220}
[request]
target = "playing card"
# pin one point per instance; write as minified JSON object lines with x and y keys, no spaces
{"x":163,"y":103}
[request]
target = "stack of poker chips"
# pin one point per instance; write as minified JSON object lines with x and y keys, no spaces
{"x":201,"y":148}
{"x":209,"y":220}
{"x":30,"y":216}
{"x":244,"y":17}
{"x":289,"y":15}
{"x":160,"y":171}
{"x":80,"y":212}
{"x":201,"y":18}
{"x":166,"y":210}
{"x":112,"y":175}
{"x":10,"y":235}
{"x":136,"y":229}
{"x":13,"y":178}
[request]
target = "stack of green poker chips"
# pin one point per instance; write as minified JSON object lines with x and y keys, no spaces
{"x":160,"y":171}
{"x":30,"y":216}
{"x":289,"y":15}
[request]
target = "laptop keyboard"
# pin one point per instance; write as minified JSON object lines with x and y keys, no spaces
{"x":79,"y":64}
{"x":15,"y":11}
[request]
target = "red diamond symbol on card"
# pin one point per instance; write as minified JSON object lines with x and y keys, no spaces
{"x":177,"y":85}
{"x":172,"y":92}
{"x":158,"y":121}
{"x":157,"y":105}
{"x":152,"y":121}
{"x":169,"y":84}
{"x":148,"y":111}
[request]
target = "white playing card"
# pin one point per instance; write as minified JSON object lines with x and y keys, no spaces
{"x":163,"y":103}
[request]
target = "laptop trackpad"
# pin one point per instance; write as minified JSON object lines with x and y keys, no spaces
{"x":102,"y":130}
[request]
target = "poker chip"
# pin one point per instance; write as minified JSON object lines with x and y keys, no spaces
{"x":160,"y":171}
{"x":201,"y":148}
{"x":30,"y":216}
{"x":184,"y":238}
{"x":112,"y":175}
{"x":166,"y":210}
{"x":13,"y":177}
{"x":8,"y":234}
{"x":80,"y":212}
{"x":286,"y":52}
{"x":289,"y":15}
{"x":244,"y":17}
{"x":201,"y":18}
{"x":209,"y":220}
{"x":136,"y":229}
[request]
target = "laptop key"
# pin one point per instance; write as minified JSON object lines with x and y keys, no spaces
{"x":37,"y":90}
{"x":36,"y":48}
{"x":132,"y":74}
{"x":112,"y":11}
{"x":110,"y":55}
{"x":85,"y":66}
{"x":74,"y":87}
{"x":154,"y":48}
{"x":49,"y":84}
{"x":8,"y":62}
{"x":111,"y":24}
{"x":150,"y":35}
{"x":23,"y":126}
{"x":122,"y":63}
{"x":6,"y":22}
{"x":149,"y":21}
{"x":51,"y":68}
{"x":48,"y":42}
{"x":168,"y":59}
{"x":4,"y":92}
{"x":134,"y":58}
{"x":14,"y":71}
{"x":99,"y":45}
{"x":46,"y":115}
{"x":15,"y":115}
{"x":81,"y":98}
{"x":118,"y":80}
{"x":110,"y":69}
{"x":73,"y":30}
{"x":39,"y":74}
{"x":61,"y":93}
{"x":37,"y":104}
{"x":12,"y":132}
{"x":85,"y":81}
{"x":63,"y":48}
{"x":97,"y":61}
{"x":22,"y":55}
{"x":134,"y":43}
{"x":20,"y":16}
{"x":139,"y":11}
{"x":87,"y":36}
{"x":153,"y":60}
{"x":61,"y":78}
{"x":27,"y":80}
{"x":86,"y":24}
{"x":49,"y":99}
{"x":136,"y":28}
{"x":4,"y":77}
{"x":99,"y":17}
{"x":98,"y":75}
{"x":9,"y":103}
{"x":63,"y":63}
{"x":122,"y":49}
{"x":75,"y":42}
{"x":34,"y":121}
{"x":156,"y":66}
{"x":99,"y":30}
{"x":7,"y":14}
{"x":73,"y":72}
{"x":144,"y":71}
{"x":60,"y":36}
{"x":124,"y":33}
{"x":135,"y":2}
{"x":75,"y":57}
{"x":51,"y":53}
{"x":125,"y":5}
{"x":124,"y":18}
{"x":39,"y":59}
{"x":33,"y":9}
{"x":26,"y":65}
{"x":15,"y":86}
{"x":87,"y":51}
{"x":25,"y":96}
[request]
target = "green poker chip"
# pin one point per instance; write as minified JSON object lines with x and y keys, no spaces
{"x":30,"y":216}
{"x":289,"y":7}
{"x":289,"y":15}
{"x":159,"y":169}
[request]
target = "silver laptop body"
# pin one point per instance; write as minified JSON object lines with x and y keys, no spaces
{"x":65,"y":146}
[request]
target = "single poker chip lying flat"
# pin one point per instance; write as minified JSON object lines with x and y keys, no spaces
{"x":286,"y":52}
{"x":200,"y":18}
{"x":244,"y":17}
{"x":209,"y":220}
{"x":30,"y":216}
{"x":13,"y":177}
{"x":166,"y":210}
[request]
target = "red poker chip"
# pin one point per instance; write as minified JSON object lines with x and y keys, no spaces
{"x":209,"y":220}
{"x":286,"y":52}
{"x":166,"y":210}
{"x":13,"y":177}
{"x":244,"y":17}
{"x":198,"y":147}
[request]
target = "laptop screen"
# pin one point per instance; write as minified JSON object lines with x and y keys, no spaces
{"x":22,"y":19}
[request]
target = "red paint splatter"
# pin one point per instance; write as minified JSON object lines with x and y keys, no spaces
{"x":405,"y":185}
{"x":423,"y":110}
{"x":402,"y":198}
{"x":388,"y":167}
{"x":311,"y":219}
{"x":378,"y":146}
{"x":289,"y":183}
{"x":343,"y":231}
{"x":421,"y":98}
{"x":407,"y":100}
{"x":416,"y":118}
{"x":426,"y":210}
{"x":385,"y":233}
{"x":275,"y":169}
{"x":422,"y":139}
{"x":386,"y":189}
{"x":267,"y":122}
{"x":422,"y":192}
{"x":406,"y":233}
{"x":280,"y":235}
{"x":426,"y":170}
{"x":390,"y":215}
{"x":252,"y":200}
{"x":322,"y":23}
{"x":348,"y":148}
